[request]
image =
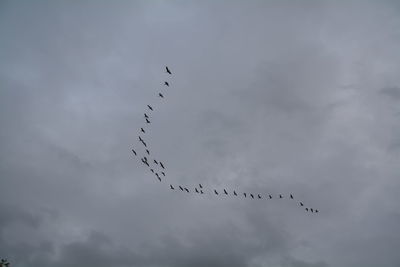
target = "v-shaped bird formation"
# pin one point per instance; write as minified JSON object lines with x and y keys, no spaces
{"x":158,"y":169}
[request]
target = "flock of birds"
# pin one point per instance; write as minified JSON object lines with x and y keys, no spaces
{"x":157,"y":167}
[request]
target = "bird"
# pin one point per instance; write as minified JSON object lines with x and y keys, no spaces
{"x":259,"y":196}
{"x":148,"y":152}
{"x":201,"y":192}
{"x":187,"y":190}
{"x":301,"y":204}
{"x":306,"y":209}
{"x":134,"y":152}
{"x":171,"y":187}
{"x":215,"y":191}
{"x":197,"y":191}
{"x":152,"y":170}
{"x":234,"y":192}
{"x":145,"y":158}
{"x":225,"y":192}
{"x":155,"y":161}
{"x":280,"y":196}
{"x":150,"y":107}
{"x":180,"y":187}
{"x":140,"y":139}
{"x":146,"y":116}
{"x":200,"y":186}
{"x":166,"y":83}
{"x":245,"y":195}
{"x":270,"y":197}
{"x":157,"y":174}
{"x":316,"y":211}
{"x":291,"y":196}
{"x":160,"y":95}
{"x":141,"y":129}
{"x":147,"y":121}
{"x":252,"y":196}
{"x":312,"y":210}
{"x":163,"y":173}
{"x":159,"y":178}
{"x":167,"y":70}
{"x":144,"y":143}
{"x":162,"y":165}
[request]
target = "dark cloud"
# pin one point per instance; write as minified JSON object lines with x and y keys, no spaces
{"x":265,"y":97}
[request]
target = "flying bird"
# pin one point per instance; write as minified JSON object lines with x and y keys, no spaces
{"x":201,"y":192}
{"x":166,"y":83}
{"x":134,"y":152}
{"x":312,"y":210}
{"x":316,"y":211}
{"x":245,"y":195}
{"x":160,"y":95}
{"x":187,"y":190}
{"x":215,"y":191}
{"x":163,"y":166}
{"x":291,"y":196}
{"x":152,"y":170}
{"x":280,"y":196}
{"x":200,"y":186}
{"x":234,"y":192}
{"x":270,"y":197}
{"x":159,"y":178}
{"x":150,"y":107}
{"x":306,"y":209}
{"x":259,"y":196}
{"x":163,"y":173}
{"x":155,"y":161}
{"x":145,"y":115}
{"x":148,"y":152}
{"x":167,"y":70}
{"x":225,"y":192}
{"x":197,"y":191}
{"x":144,"y":143}
{"x":147,"y":121}
{"x":252,"y":196}
{"x":142,"y":130}
{"x":301,"y":204}
{"x":180,"y":187}
{"x":140,"y":139}
{"x":145,"y":158}
{"x":171,"y":187}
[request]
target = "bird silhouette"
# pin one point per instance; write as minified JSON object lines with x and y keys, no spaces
{"x":140,"y":139}
{"x":225,"y":192}
{"x":155,"y":161}
{"x":145,"y":115}
{"x":200,"y":186}
{"x":187,"y":190}
{"x":301,"y":204}
{"x":171,"y":187}
{"x":148,"y":152}
{"x":134,"y":152}
{"x":280,"y":196}
{"x":316,"y":211}
{"x":150,"y":107}
{"x":163,"y":173}
{"x":291,"y":196}
{"x":162,"y":166}
{"x":152,"y":170}
{"x":215,"y":191}
{"x":234,"y":192}
{"x":166,"y":83}
{"x":197,"y":191}
{"x":145,"y":158}
{"x":147,"y":121}
{"x":180,"y":187}
{"x":201,"y":192}
{"x":270,"y":197}
{"x":167,"y":70}
{"x":245,"y":195}
{"x":141,"y":129}
{"x":144,"y":143}
{"x":259,"y":196}
{"x":306,"y":209}
{"x":160,"y":95}
{"x":252,"y":196}
{"x":159,"y":178}
{"x":312,"y":210}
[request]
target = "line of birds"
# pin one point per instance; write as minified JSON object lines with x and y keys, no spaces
{"x":158,"y":168}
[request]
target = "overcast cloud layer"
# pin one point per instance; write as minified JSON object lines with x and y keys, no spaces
{"x":297,"y":97}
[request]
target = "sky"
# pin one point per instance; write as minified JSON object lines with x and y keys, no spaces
{"x":270,"y":97}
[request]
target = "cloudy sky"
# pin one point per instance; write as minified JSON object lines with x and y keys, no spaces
{"x":268,"y":97}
